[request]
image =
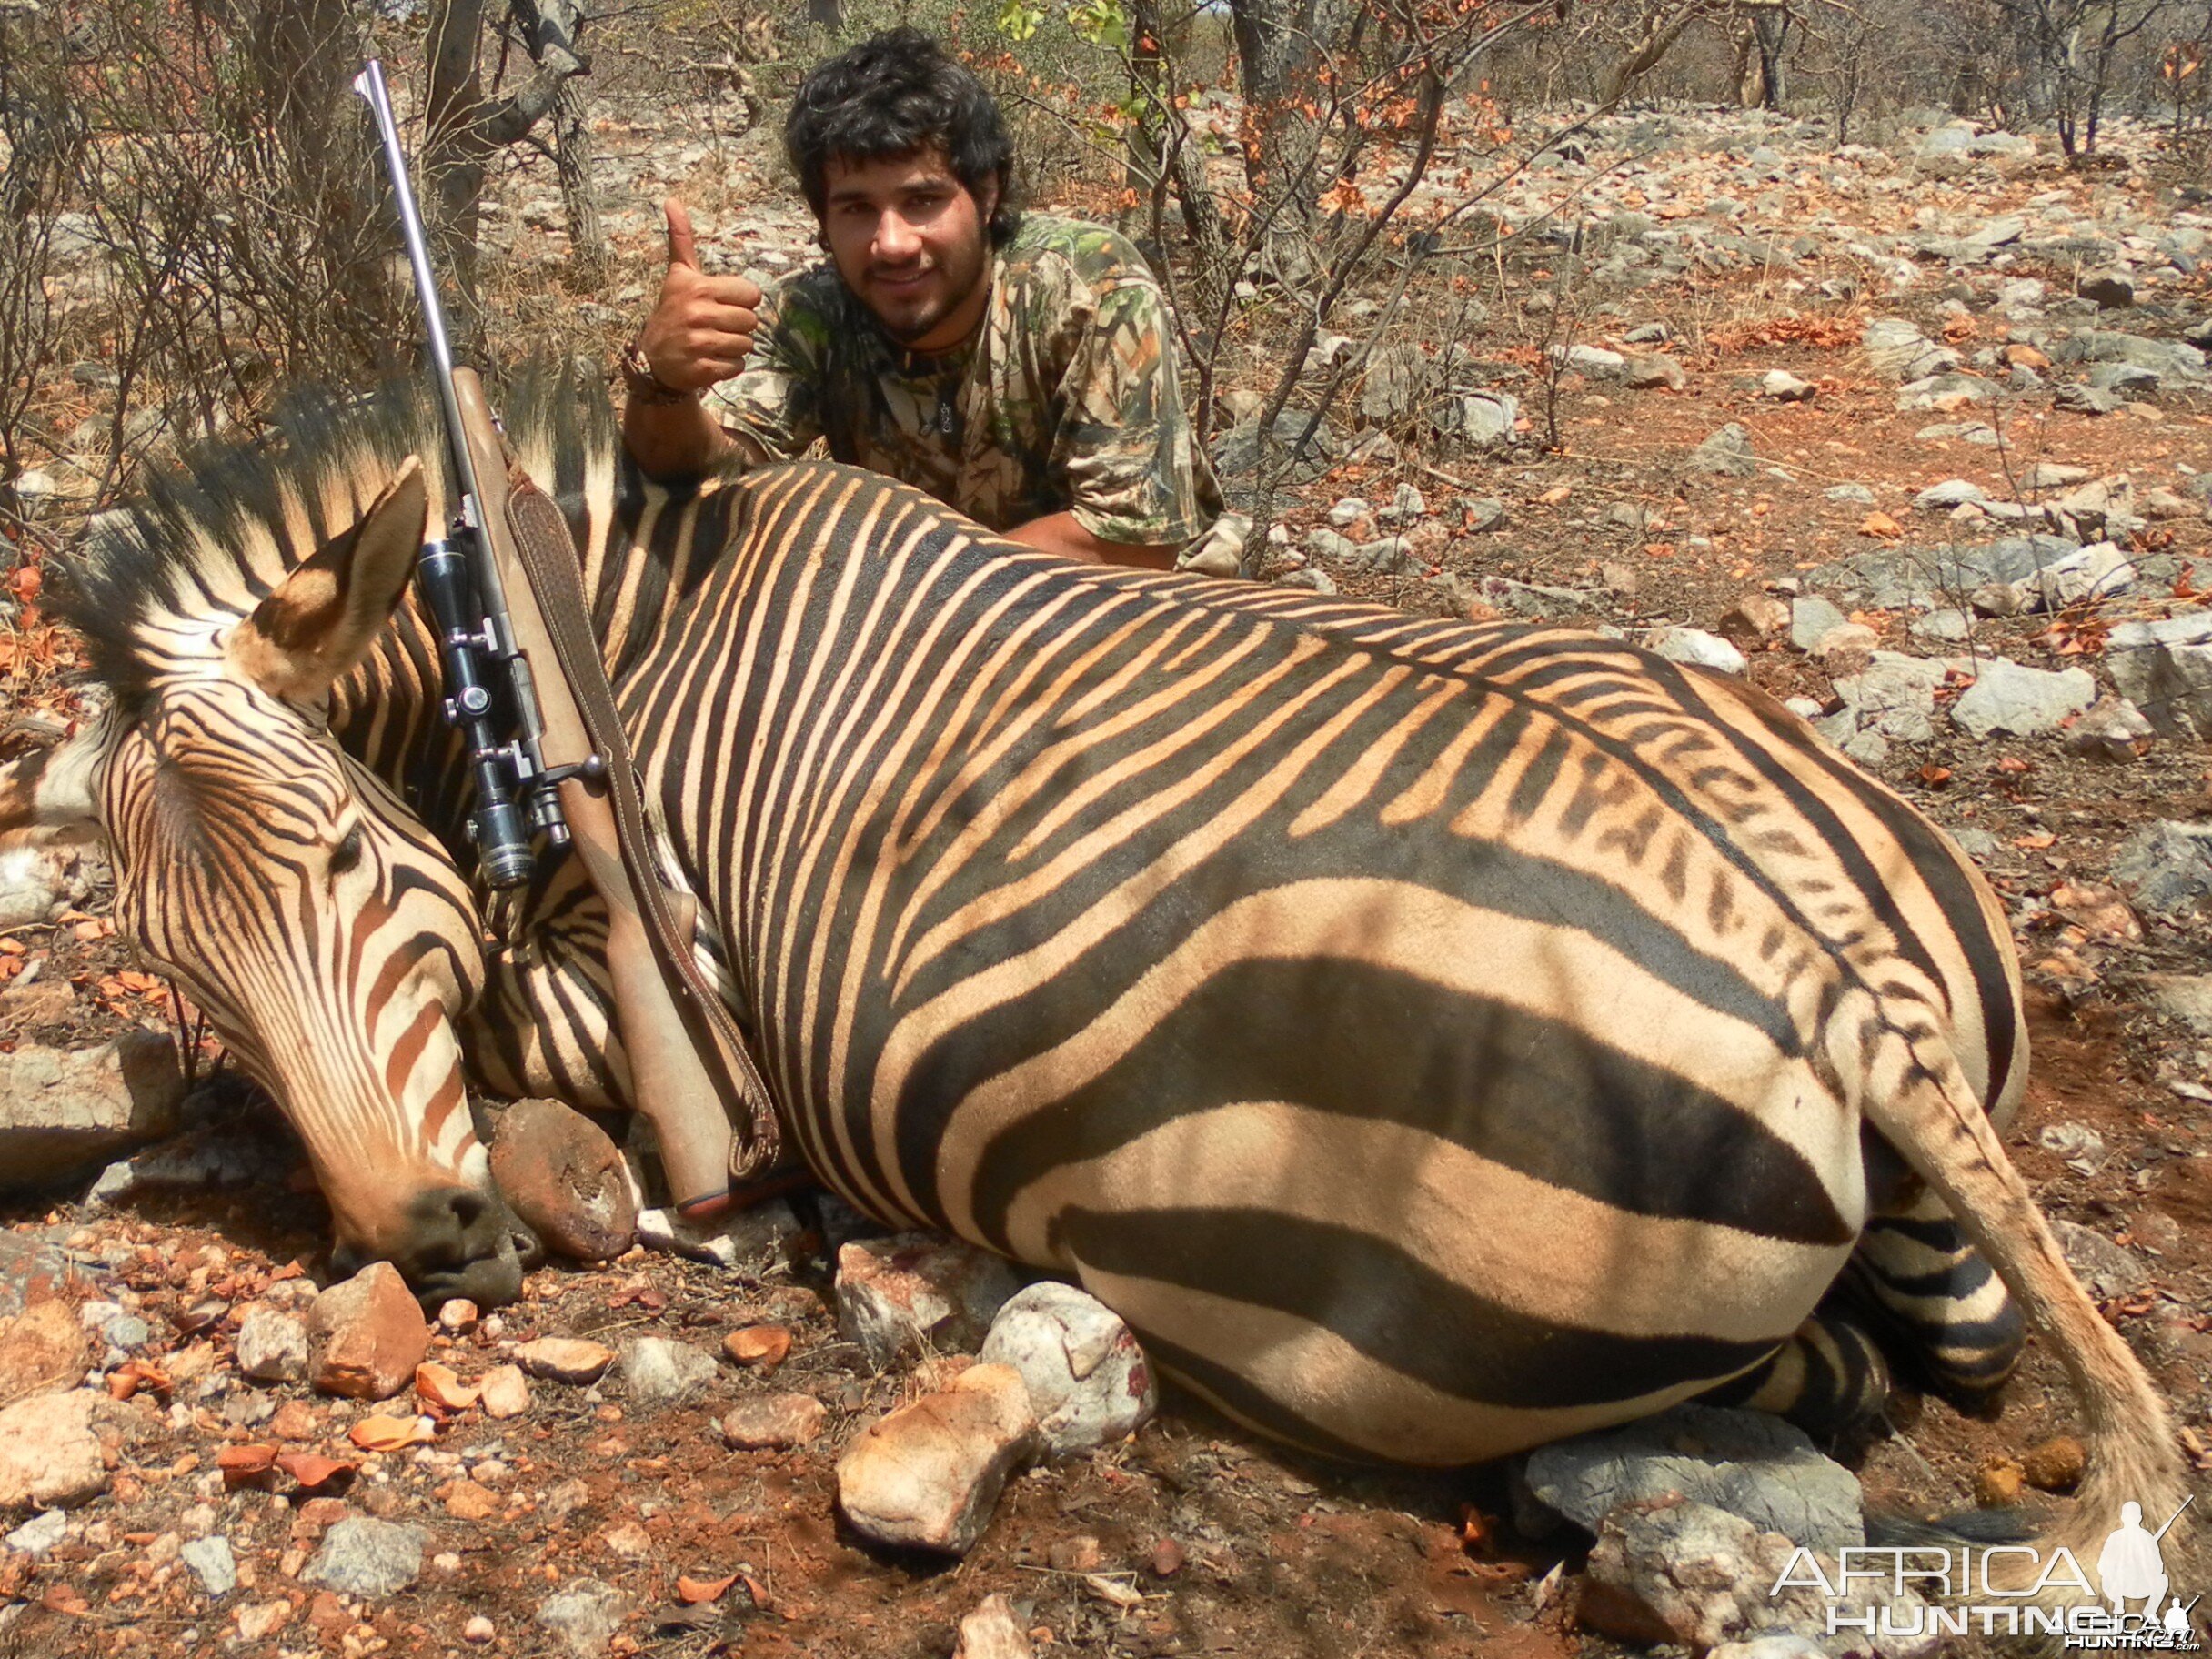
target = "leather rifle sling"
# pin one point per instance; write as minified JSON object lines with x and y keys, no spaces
{"x":687,"y":1056}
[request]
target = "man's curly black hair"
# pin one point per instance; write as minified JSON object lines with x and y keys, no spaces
{"x":892,"y":95}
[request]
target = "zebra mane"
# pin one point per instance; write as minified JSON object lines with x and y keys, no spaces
{"x":207,"y":540}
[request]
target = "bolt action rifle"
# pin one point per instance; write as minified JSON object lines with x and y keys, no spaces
{"x":505,"y":591}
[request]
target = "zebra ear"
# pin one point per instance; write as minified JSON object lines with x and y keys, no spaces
{"x":323,"y":618}
{"x":55,"y":788}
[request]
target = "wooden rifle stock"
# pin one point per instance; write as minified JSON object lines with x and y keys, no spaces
{"x":675,"y":1031}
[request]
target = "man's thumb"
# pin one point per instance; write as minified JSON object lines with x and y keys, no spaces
{"x":682,"y":249}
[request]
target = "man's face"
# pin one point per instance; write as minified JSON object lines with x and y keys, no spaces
{"x":910,"y":241}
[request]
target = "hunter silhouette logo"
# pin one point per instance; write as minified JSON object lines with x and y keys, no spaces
{"x":1991,"y":1589}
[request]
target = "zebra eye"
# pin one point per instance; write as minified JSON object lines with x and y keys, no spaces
{"x":348,"y":852}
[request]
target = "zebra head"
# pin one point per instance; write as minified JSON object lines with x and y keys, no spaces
{"x":325,"y":932}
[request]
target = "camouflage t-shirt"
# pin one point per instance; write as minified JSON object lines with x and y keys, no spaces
{"x":1064,"y":399}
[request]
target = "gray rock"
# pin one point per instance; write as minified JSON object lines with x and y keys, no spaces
{"x":212,"y":1564}
{"x":2164,"y":667}
{"x":1236,"y":453}
{"x":2166,"y":869}
{"x":1785,"y":387}
{"x":1727,"y":453}
{"x":2106,"y":1270}
{"x":1388,"y":556}
{"x":1947,"y":392}
{"x":2007,"y":697}
{"x":272,"y":1346}
{"x":1788,"y":1645}
{"x":2112,"y":289}
{"x":1531,"y":600}
{"x":1748,"y":1463}
{"x":1979,"y":845}
{"x":1852,"y":495}
{"x":2171,"y":359}
{"x":362,"y":1555}
{"x":1327,"y":544}
{"x":1317,"y":579}
{"x":1948,"y":625}
{"x":1595,"y":362}
{"x":584,"y":1616}
{"x":1811,"y":618}
{"x":2079,"y":399}
{"x":657,"y":1371}
{"x":1089,"y":1381}
{"x":1693,"y":644}
{"x":2125,"y":380}
{"x":1482,"y":513}
{"x":2113,"y":730}
{"x":1893,"y":697}
{"x":1950,"y":493}
{"x":1348,"y":512}
{"x":2185,"y":997}
{"x":1647,"y":370}
{"x":2053,"y":475}
{"x":1899,"y":351}
{"x":66,"y":1112}
{"x":40,"y":1534}
{"x":1484,"y":420}
{"x":1688,"y":1572}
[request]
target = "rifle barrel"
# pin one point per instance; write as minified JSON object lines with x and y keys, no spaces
{"x":371,"y":84}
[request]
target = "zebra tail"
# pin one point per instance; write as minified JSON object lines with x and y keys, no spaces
{"x":1916,"y":1096}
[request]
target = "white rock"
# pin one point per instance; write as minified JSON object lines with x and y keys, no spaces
{"x":927,"y":1476}
{"x":657,"y":1371}
{"x":1693,"y":644}
{"x":49,"y":1452}
{"x":1088,"y":1379}
{"x":40,"y":1534}
{"x":2007,"y":697}
{"x":992,"y":1632}
{"x":915,"y":1293}
{"x":272,"y":1347}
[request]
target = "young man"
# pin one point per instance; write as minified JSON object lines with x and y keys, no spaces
{"x":1016,"y":366}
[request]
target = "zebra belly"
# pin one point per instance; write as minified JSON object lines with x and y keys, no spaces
{"x":1359,"y":1171}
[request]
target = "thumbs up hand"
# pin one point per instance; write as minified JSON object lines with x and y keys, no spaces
{"x":703,"y":327}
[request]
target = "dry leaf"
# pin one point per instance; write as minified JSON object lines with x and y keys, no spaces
{"x":691,"y":1592}
{"x":244,"y":1465}
{"x":1882,"y":525}
{"x":313,"y":1473}
{"x":1555,"y":495}
{"x":381,"y":1434}
{"x":438,"y":1384}
{"x":1113,"y":1590}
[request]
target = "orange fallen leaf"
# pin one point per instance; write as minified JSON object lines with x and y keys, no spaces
{"x":382,"y":1433}
{"x":691,"y":1592}
{"x":1882,"y":525}
{"x":313,"y":1472}
{"x":244,"y":1465}
{"x":2035,"y":843}
{"x":438,"y":1384}
{"x":1555,"y":495}
{"x":1934,"y":776}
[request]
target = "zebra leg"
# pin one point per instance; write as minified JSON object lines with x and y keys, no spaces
{"x":1827,"y":1378}
{"x":1916,"y":1271}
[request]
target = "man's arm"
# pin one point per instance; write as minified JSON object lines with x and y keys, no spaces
{"x":1059,"y":533}
{"x":699,"y":333}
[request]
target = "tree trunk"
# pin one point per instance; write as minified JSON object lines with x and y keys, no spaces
{"x":588,"y":262}
{"x":466,"y":129}
{"x":1277,"y":59}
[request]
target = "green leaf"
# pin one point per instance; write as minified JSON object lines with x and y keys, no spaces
{"x":1019,"y":19}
